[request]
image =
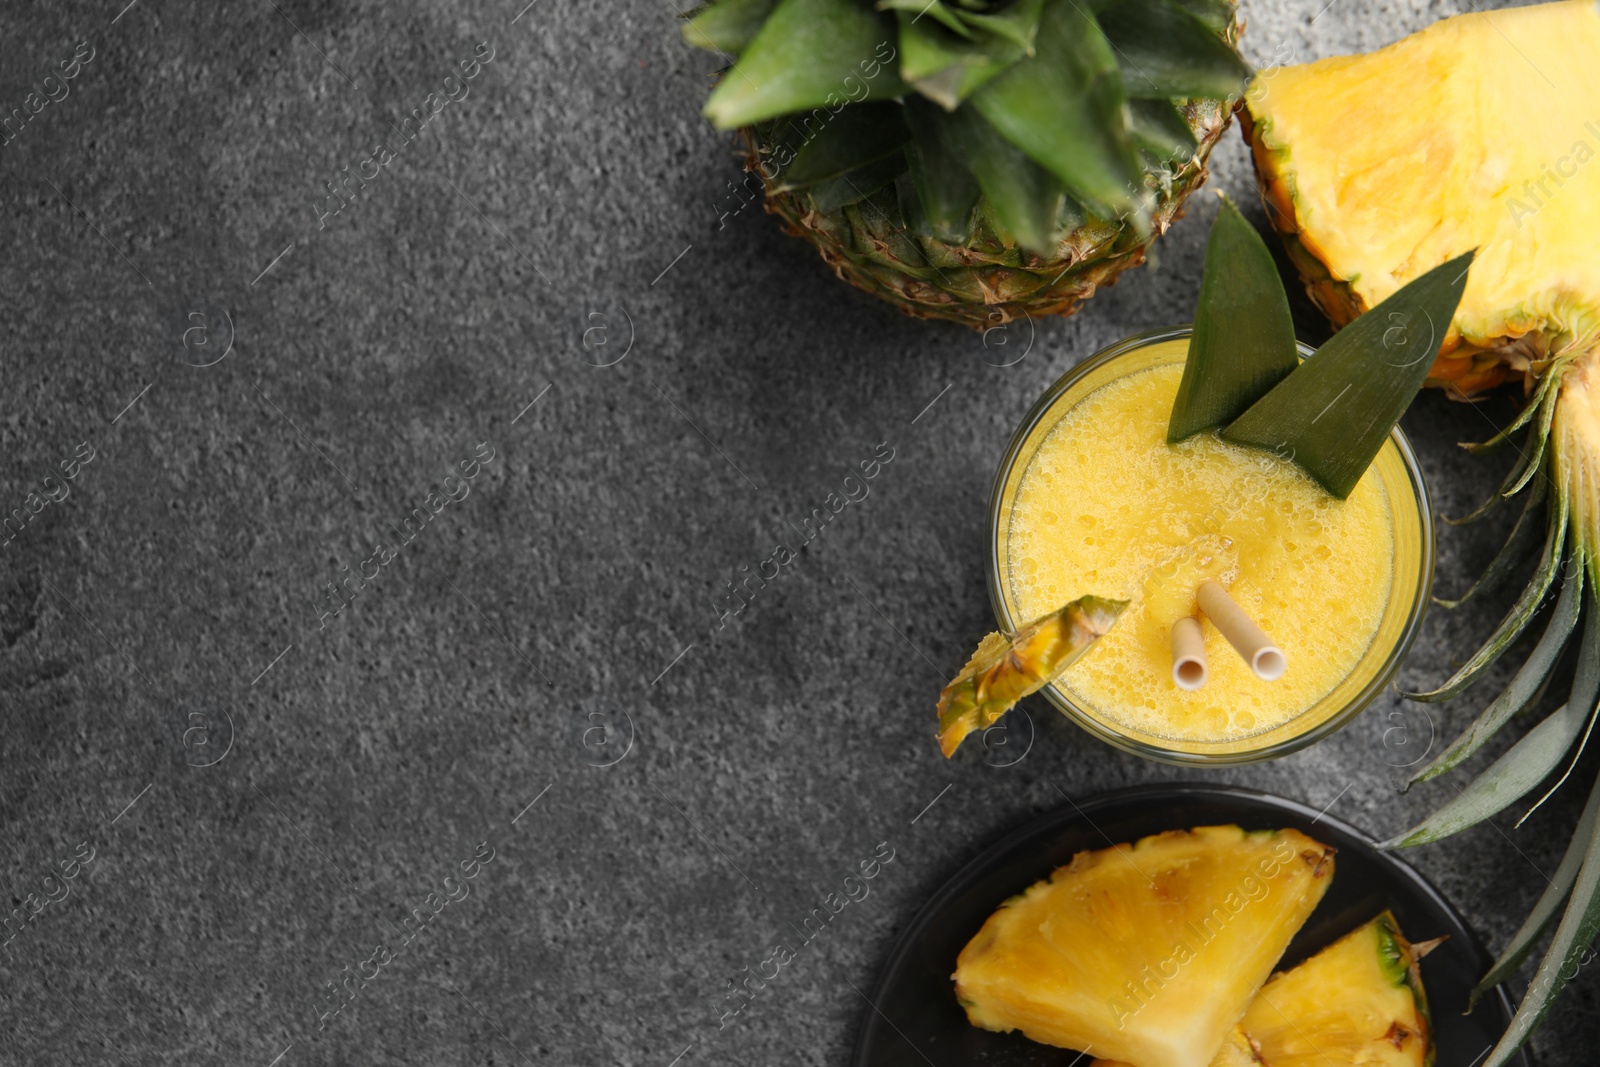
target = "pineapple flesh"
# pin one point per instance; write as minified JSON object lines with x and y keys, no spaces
{"x":1482,"y":131}
{"x":1236,"y":1051}
{"x":1360,"y":1000}
{"x":1146,"y":953}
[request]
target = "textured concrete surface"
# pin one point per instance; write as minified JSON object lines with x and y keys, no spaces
{"x":267,"y":787}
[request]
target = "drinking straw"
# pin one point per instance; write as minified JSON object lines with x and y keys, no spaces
{"x":1188,"y":654}
{"x":1247,"y":639}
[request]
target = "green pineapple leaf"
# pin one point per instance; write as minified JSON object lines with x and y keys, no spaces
{"x":933,"y":10}
{"x":947,"y":69}
{"x":1025,"y":199}
{"x":1243,"y":341}
{"x":1158,"y":127}
{"x":1164,"y":51}
{"x":1579,"y":926}
{"x":946,"y":189}
{"x":1064,"y":108}
{"x":1018,"y":23}
{"x":1518,"y":546}
{"x":1508,"y":779}
{"x":1529,"y":682}
{"x":857,"y":185}
{"x":857,"y":136}
{"x":726,"y":25}
{"x":1550,"y":902}
{"x":1516,"y":620}
{"x":1366,"y":376}
{"x":1527,"y":762}
{"x":809,"y":54}
{"x":1215,"y":15}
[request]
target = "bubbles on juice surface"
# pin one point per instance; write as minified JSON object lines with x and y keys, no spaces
{"x":1107,"y":507}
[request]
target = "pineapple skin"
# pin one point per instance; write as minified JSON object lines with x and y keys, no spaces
{"x":1146,"y":953}
{"x":988,"y":281}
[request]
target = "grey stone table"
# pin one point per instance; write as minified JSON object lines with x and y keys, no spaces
{"x":255,"y":777}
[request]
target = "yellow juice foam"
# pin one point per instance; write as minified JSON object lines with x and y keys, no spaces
{"x":1106,"y":506}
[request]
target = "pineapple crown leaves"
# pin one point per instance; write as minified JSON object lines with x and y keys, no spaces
{"x":1552,"y":467}
{"x":1046,"y":109}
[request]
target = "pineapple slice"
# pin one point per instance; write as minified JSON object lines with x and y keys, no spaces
{"x":1360,"y":1000}
{"x":1147,"y":953}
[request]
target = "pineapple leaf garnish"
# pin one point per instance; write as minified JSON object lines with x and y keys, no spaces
{"x":1065,"y":110}
{"x":1165,"y":52}
{"x":808,"y":54}
{"x":1002,"y":672}
{"x":1243,"y":340}
{"x":1364,"y":378}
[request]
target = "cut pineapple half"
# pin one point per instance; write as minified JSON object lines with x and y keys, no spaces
{"x":1358,"y":1001}
{"x":1447,"y":160}
{"x":1147,"y":953}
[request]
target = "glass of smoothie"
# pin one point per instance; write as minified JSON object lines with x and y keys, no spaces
{"x":1090,"y":499}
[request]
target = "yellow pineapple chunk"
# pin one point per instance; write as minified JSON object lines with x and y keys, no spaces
{"x":1360,"y":1000}
{"x":1146,"y":953}
{"x":1481,"y":131}
{"x":1236,"y":1051}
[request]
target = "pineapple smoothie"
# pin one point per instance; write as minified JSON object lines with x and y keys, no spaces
{"x":1105,"y":506}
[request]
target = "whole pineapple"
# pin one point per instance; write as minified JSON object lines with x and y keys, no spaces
{"x":1481,"y":132}
{"x":976,"y":160}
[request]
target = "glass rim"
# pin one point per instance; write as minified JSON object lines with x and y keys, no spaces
{"x":1059,"y":699}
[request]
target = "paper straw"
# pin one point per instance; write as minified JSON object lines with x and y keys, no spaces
{"x":1188,"y":654}
{"x":1247,"y":639}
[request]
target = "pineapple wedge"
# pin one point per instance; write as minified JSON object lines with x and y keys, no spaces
{"x":1147,"y":953}
{"x":1236,"y":1051}
{"x":1360,"y":1000}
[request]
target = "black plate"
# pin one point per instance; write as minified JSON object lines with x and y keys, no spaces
{"x":916,"y":1020}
